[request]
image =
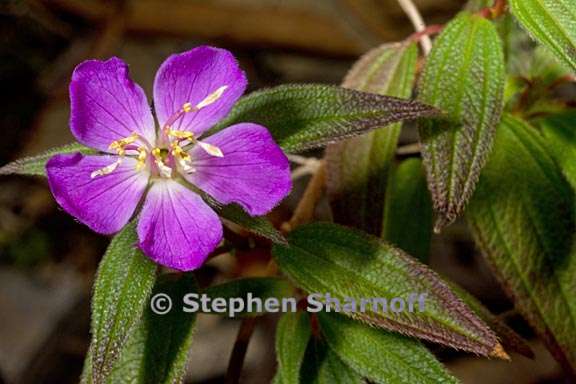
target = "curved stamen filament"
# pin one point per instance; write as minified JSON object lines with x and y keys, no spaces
{"x":210,"y":149}
{"x":188,"y":107}
{"x":107,"y":169}
{"x":120,"y":146}
{"x":182,"y":157}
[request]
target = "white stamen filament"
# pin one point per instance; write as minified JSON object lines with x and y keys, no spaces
{"x":211,"y":98}
{"x":107,"y":169}
{"x":210,"y":149}
{"x":165,"y":170}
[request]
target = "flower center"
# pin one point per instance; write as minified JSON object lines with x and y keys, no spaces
{"x":169,"y":156}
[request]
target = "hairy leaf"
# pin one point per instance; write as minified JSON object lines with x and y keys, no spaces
{"x":169,"y":337}
{"x":408,"y":210}
{"x":464,"y":76}
{"x":510,"y":340}
{"x":258,"y":225}
{"x":292,"y":337}
{"x":326,"y":258}
{"x":358,"y":168}
{"x":157,"y":351}
{"x":323,"y":366}
{"x":379,"y":355}
{"x":124,"y":280}
{"x":257,"y":287}
{"x":35,"y":165}
{"x":560,"y":133}
{"x":552,"y":23}
{"x":522,"y":217}
{"x":302,"y":117}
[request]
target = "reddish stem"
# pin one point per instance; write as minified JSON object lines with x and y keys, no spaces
{"x":428,"y":31}
{"x":497,"y":10}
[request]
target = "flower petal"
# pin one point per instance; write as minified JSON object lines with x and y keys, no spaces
{"x":254,"y":172}
{"x":106,"y":105}
{"x":177,"y":229}
{"x":104,"y":203}
{"x":191,"y":77}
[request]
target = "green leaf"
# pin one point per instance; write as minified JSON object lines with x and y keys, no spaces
{"x":292,"y":336}
{"x":522,"y":217}
{"x":157,"y":351}
{"x":257,"y":225}
{"x":560,"y":133}
{"x":408,"y":210}
{"x":257,"y":287}
{"x":327,"y":258}
{"x":35,"y":165}
{"x":169,"y":337}
{"x":323,"y":366}
{"x":464,"y":76}
{"x":124,"y":280}
{"x":381,"y":356}
{"x":302,"y":117}
{"x":510,"y":340}
{"x":552,"y":23}
{"x":358,"y":168}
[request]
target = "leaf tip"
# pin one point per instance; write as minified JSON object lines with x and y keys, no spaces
{"x":499,"y":353}
{"x":441,"y":223}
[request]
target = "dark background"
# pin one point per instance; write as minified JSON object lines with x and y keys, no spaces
{"x":48,"y":261}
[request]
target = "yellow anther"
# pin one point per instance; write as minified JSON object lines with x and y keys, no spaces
{"x":184,"y":135}
{"x":182,"y":157}
{"x":119,"y":145}
{"x":141,"y":159}
{"x":212,"y":98}
{"x":187,"y":107}
{"x":178,"y":151}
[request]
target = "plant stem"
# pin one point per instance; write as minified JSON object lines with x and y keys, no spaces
{"x":428,"y":31}
{"x":496,"y":10}
{"x":304,"y":212}
{"x":238,"y":355}
{"x":418,"y":23}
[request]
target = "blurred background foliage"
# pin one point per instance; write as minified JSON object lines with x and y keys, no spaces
{"x":47,"y":261}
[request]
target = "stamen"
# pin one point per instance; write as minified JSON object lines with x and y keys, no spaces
{"x":165,"y":170}
{"x":107,"y":169}
{"x":212,"y":98}
{"x":183,"y":135}
{"x":183,"y":158}
{"x":210,"y":149}
{"x":120,"y":145}
{"x":141,"y":158}
{"x":187,"y":107}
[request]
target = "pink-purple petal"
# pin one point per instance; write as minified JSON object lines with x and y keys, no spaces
{"x":190,"y":77}
{"x":106,"y":105}
{"x":103,"y":203}
{"x":176,"y":228}
{"x":254,"y":171}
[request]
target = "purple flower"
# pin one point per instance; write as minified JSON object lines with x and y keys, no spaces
{"x":163,"y":163}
